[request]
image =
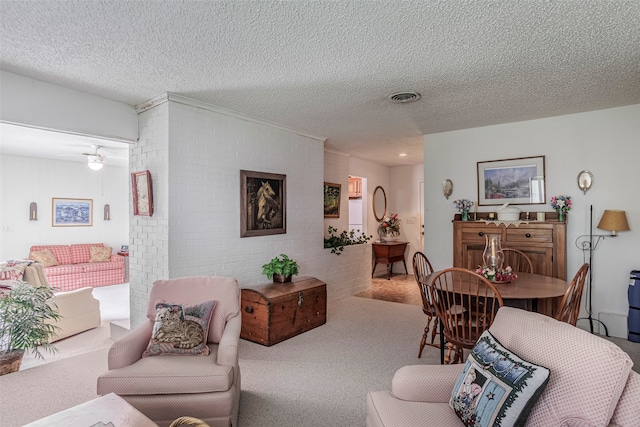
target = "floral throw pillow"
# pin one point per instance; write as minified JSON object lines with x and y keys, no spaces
{"x":496,"y":388}
{"x":44,"y":257}
{"x":100,"y":253}
{"x":180,"y":329}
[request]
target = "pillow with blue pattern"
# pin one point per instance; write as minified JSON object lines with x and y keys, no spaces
{"x":496,"y":388}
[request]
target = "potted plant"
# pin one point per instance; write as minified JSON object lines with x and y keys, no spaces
{"x":25,"y":323}
{"x":281,"y":269}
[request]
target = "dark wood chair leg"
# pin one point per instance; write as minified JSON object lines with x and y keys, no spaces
{"x":423,"y":341}
{"x":441,"y":344}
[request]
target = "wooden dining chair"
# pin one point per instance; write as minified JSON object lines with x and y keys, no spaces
{"x":518,"y":260}
{"x":466,"y":304}
{"x":570,"y":305}
{"x":421,"y":269}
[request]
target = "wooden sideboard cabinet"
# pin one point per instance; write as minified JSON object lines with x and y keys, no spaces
{"x":543,"y":242}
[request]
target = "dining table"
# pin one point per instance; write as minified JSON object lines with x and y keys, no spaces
{"x":544,"y":292}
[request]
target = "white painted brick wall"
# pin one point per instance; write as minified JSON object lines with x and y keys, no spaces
{"x":195,"y":156}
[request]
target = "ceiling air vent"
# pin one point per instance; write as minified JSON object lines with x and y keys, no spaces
{"x":404,"y":97}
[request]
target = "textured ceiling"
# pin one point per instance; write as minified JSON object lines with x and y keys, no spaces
{"x":326,"y":67}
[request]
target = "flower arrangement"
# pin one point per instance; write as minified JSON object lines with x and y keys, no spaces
{"x":561,"y":204}
{"x":463,"y":205}
{"x":507,"y":275}
{"x":390,"y":225}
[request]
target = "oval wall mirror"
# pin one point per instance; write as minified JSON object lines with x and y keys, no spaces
{"x":585,"y":179}
{"x":379,"y":203}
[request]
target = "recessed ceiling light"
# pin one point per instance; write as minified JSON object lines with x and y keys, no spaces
{"x":403,"y":154}
{"x":404,"y":97}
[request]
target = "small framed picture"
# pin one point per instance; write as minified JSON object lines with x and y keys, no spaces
{"x":332,"y":200}
{"x":124,"y":248}
{"x":142,"y":193}
{"x":515,"y":181}
{"x":72,"y":212}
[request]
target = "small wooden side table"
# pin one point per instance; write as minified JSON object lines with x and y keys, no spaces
{"x":126,"y":265}
{"x":388,"y":253}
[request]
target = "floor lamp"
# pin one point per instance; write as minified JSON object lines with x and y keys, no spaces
{"x":613,"y":221}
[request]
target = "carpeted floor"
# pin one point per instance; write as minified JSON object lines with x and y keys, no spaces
{"x":319,"y":378}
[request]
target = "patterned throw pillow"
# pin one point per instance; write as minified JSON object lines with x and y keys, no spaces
{"x":496,"y":388}
{"x":44,"y":257}
{"x":100,"y":253}
{"x":180,"y":329}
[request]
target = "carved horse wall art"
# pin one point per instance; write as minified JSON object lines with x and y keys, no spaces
{"x":267,"y":205}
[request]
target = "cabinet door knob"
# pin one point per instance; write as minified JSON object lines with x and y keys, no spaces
{"x":248,"y":309}
{"x":481,"y":234}
{"x":528,"y":235}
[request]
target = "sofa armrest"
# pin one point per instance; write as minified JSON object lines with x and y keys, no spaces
{"x":228,"y":346}
{"x":425,"y":383}
{"x":128,"y":349}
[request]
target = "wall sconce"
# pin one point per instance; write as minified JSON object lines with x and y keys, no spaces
{"x":33,"y":211}
{"x":585,"y":180}
{"x":107,"y":212}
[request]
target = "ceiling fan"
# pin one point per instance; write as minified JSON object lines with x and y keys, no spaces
{"x":95,"y":159}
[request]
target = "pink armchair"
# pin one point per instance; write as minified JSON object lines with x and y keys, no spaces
{"x":165,"y":387}
{"x":591,"y":381}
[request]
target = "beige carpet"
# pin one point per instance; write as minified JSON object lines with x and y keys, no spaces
{"x":319,"y":378}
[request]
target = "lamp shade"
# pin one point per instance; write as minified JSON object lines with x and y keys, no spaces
{"x":613,"y":220}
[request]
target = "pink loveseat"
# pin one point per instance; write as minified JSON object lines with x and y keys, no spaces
{"x":591,"y":382}
{"x":75,"y":269}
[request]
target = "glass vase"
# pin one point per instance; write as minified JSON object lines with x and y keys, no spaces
{"x":493,"y":256}
{"x":465,"y":215}
{"x":562,"y":216}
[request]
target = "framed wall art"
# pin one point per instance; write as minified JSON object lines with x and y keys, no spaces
{"x":71,"y":212}
{"x":331,"y":200}
{"x":515,"y":181}
{"x":142,"y":193}
{"x":263,"y":203}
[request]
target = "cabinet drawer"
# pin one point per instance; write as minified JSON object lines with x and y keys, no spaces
{"x":477,"y":234}
{"x":523,"y":235}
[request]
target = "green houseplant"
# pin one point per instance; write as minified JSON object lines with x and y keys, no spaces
{"x":337,"y":242}
{"x":281,"y":268}
{"x":25,"y":323}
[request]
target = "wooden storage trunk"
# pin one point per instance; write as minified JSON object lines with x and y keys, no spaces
{"x":274,"y":312}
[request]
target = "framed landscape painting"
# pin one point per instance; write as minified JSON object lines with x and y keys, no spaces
{"x":263,"y":203}
{"x":517,"y":181}
{"x":331,"y":200}
{"x":71,"y":212}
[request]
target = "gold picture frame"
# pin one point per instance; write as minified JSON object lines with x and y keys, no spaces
{"x":332,"y":200}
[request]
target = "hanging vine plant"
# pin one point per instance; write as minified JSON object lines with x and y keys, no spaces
{"x":337,"y":242}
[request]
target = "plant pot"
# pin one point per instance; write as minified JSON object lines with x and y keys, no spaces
{"x":10,"y":362}
{"x":281,"y":278}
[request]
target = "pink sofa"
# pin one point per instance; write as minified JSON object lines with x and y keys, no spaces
{"x":75,"y":269}
{"x":591,"y":382}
